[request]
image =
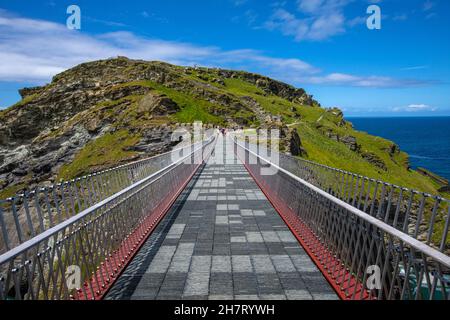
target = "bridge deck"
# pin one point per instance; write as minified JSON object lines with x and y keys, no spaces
{"x":222,"y":240}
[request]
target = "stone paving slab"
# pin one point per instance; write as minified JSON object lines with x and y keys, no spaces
{"x":225,"y":242}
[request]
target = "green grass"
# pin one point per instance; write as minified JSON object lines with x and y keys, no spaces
{"x":26,"y":100}
{"x":241,"y":87}
{"x":326,"y":151}
{"x":192,"y":109}
{"x":191,"y":112}
{"x":11,"y":190}
{"x":311,"y":122}
{"x":105,"y":151}
{"x":270,"y":103}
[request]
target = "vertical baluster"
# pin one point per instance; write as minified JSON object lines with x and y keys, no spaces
{"x":355,"y":193}
{"x":63,"y":199}
{"x":419,"y":215}
{"x":77,"y":197}
{"x":388,"y":208}
{"x":445,"y":231}
{"x":397,"y":211}
{"x":28,"y":214}
{"x":408,"y":210}
{"x":437,"y":202}
{"x":382,"y":199}
{"x":3,"y":228}
{"x":16,"y":220}
{"x":57,"y":203}
{"x":49,"y":208}
{"x":71,"y":197}
{"x":86,"y":192}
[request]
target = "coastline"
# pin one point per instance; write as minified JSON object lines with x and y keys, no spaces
{"x":424,"y":139}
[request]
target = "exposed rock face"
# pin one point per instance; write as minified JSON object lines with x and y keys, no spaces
{"x":271,"y":86}
{"x":350,"y":142}
{"x":394,"y":149}
{"x":260,"y":113}
{"x":296,"y":147}
{"x":445,"y":186}
{"x":157,"y":104}
{"x":136,"y":105}
{"x":54,"y":123}
{"x":34,"y":162}
{"x":374,"y":159}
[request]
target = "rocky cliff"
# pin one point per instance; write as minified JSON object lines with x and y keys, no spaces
{"x":103,"y":113}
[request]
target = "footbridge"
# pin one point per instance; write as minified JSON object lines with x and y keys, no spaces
{"x":220,"y":219}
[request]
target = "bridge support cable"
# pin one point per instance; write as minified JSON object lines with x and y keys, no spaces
{"x":362,"y":257}
{"x":81,"y":257}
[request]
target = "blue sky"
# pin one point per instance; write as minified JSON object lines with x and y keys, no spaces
{"x":323,"y":46}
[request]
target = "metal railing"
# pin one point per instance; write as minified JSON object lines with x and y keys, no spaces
{"x":30,"y":213}
{"x":419,"y":214}
{"x":97,"y":242}
{"x":361,"y":255}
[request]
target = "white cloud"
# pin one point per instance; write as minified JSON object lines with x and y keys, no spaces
{"x":35,"y":50}
{"x":400,"y":17}
{"x":415,"y":108}
{"x":326,"y":26}
{"x":361,"y":20}
{"x":321,"y":7}
{"x":428,"y":5}
{"x":414,"y":68}
{"x":105,"y":22}
{"x":342,"y":79}
{"x":318,"y":20}
{"x":239,"y":3}
{"x":310,"y":6}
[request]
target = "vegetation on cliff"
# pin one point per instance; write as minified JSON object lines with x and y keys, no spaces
{"x":103,"y":113}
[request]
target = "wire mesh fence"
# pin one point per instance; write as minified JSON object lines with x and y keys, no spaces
{"x":421,"y":215}
{"x":98,"y":237}
{"x":30,"y":213}
{"x":372,"y":240}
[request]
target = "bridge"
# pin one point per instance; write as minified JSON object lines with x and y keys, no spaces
{"x":223,"y":220}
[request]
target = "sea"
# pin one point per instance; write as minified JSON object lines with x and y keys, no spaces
{"x":425,"y":139}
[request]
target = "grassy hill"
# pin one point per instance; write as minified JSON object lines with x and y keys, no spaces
{"x":103,"y":113}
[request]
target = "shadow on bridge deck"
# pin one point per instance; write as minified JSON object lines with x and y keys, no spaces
{"x":222,"y":239}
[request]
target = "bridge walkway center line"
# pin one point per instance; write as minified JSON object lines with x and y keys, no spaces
{"x":225,"y":242}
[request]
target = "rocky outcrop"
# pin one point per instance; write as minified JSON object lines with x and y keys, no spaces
{"x":54,"y":122}
{"x":444,"y":183}
{"x":256,"y":108}
{"x":271,"y":86}
{"x":374,"y":159}
{"x":295,"y":146}
{"x":35,"y":162}
{"x":350,"y":142}
{"x":158,"y":105}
